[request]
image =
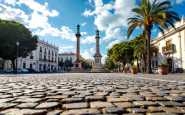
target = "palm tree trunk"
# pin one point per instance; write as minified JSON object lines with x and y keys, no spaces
{"x":148,"y":33}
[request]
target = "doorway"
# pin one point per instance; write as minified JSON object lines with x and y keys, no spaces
{"x":169,"y":62}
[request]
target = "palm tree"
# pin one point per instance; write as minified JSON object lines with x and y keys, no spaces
{"x":140,"y":50}
{"x":149,"y":15}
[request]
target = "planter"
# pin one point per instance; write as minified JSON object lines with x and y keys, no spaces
{"x":163,"y":70}
{"x":134,"y":71}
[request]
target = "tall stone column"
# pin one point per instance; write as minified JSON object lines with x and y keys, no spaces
{"x":97,"y":67}
{"x":77,"y":63}
{"x":78,"y":35}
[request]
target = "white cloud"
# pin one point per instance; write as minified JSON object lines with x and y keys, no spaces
{"x":113,"y":42}
{"x":83,"y":24}
{"x":87,"y":55}
{"x":179,"y":1}
{"x":92,"y":50}
{"x":104,"y":57}
{"x":12,"y":2}
{"x":88,"y":40}
{"x":67,"y":33}
{"x":9,"y":13}
{"x":67,"y":47}
{"x":111,"y":22}
{"x":83,"y":33}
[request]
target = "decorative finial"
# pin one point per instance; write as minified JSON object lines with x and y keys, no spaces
{"x":97,"y":32}
{"x":78,"y":29}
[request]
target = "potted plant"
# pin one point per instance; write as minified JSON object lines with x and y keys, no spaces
{"x":125,"y":69}
{"x":163,"y":69}
{"x":134,"y":69}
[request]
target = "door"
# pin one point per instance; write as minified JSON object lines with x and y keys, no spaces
{"x":169,"y":62}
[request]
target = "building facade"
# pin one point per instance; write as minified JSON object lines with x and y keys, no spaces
{"x":45,"y":57}
{"x":90,"y":61}
{"x":171,"y":47}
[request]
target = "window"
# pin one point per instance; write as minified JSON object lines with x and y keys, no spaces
{"x":152,"y":63}
{"x":49,"y":52}
{"x":71,"y":59}
{"x":40,"y":49}
{"x":156,"y":63}
{"x":24,"y":65}
{"x":66,"y":58}
{"x":62,"y":59}
{"x":31,"y":66}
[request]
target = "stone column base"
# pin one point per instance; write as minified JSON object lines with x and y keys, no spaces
{"x":96,"y":70}
{"x":77,"y":70}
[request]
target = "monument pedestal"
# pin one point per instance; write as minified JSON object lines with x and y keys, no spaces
{"x":97,"y":68}
{"x":77,"y":67}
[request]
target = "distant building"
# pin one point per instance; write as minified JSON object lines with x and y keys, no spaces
{"x":90,"y":61}
{"x":45,"y":57}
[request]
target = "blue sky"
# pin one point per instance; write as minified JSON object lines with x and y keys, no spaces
{"x":55,"y":21}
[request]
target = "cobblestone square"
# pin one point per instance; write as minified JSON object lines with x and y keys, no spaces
{"x":92,"y":93}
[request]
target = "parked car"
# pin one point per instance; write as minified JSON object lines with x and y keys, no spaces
{"x":155,"y":70}
{"x":178,"y":70}
{"x":24,"y":70}
{"x":32,"y":70}
{"x":10,"y":70}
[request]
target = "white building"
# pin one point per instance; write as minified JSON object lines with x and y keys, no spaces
{"x":90,"y":61}
{"x":171,"y":47}
{"x":45,"y":57}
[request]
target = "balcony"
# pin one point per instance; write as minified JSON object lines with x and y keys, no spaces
{"x":168,"y":49}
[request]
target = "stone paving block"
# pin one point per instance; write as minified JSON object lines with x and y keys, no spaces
{"x":117,"y":100}
{"x":22,"y":112}
{"x":76,"y":105}
{"x":97,"y":105}
{"x":7,"y":105}
{"x":55,"y":112}
{"x":125,"y":105}
{"x":174,"y":98}
{"x":48,"y":105}
{"x":72,"y":100}
{"x":95,"y":98}
{"x":161,"y":114}
{"x":27,"y":105}
{"x":155,"y":99}
{"x":170,"y":104}
{"x":113,"y":110}
{"x":28,"y":100}
{"x":137,"y":110}
{"x":81,"y":112}
{"x":145,"y":103}
{"x":57,"y":97}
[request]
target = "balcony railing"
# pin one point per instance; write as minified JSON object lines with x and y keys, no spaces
{"x":168,"y":49}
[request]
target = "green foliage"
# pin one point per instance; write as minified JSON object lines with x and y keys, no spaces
{"x":11,"y":32}
{"x":126,"y":68}
{"x":68,"y":63}
{"x":163,"y":65}
{"x":122,"y":52}
{"x":85,"y":65}
{"x":134,"y":67}
{"x":61,"y":63}
{"x":110,"y":64}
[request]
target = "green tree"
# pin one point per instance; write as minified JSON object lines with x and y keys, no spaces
{"x":11,"y":32}
{"x":122,"y":52}
{"x":61,"y":64}
{"x":68,"y":64}
{"x":110,"y":64}
{"x":151,"y":14}
{"x":85,"y":65}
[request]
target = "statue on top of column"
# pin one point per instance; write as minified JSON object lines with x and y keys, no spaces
{"x":97,"y":32}
{"x":78,"y":29}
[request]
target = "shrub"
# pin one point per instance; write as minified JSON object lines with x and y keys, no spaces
{"x":134,"y":67}
{"x":163,"y":65}
{"x":126,"y":68}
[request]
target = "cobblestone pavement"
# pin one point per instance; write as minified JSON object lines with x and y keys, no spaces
{"x":90,"y":93}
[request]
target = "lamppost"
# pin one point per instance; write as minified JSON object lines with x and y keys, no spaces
{"x":17,"y":43}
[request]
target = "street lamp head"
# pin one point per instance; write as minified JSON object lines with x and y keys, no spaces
{"x":17,"y":43}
